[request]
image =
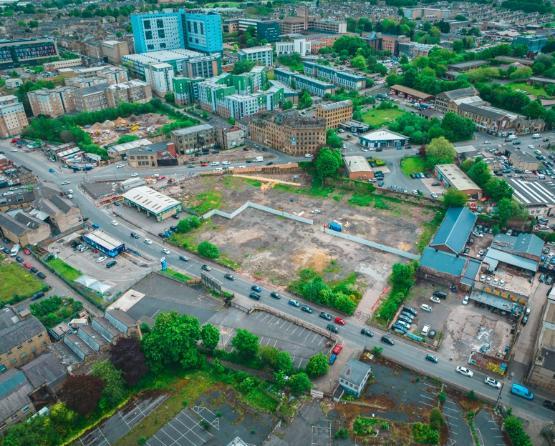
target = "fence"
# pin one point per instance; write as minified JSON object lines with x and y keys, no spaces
{"x":259,"y":207}
{"x":362,"y":241}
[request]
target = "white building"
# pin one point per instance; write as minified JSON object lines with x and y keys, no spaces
{"x":354,"y":376}
{"x":12,"y":116}
{"x":261,"y":55}
{"x":299,"y":46}
{"x":160,"y":77}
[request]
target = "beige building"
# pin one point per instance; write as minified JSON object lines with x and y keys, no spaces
{"x":12,"y":117}
{"x":130,"y":91}
{"x":52,"y":103}
{"x":20,"y":227}
{"x":65,"y":63}
{"x":542,"y":370}
{"x":358,"y":168}
{"x":194,"y":139}
{"x":21,"y":339}
{"x":231,"y":137}
{"x":452,"y":176}
{"x":335,"y":113}
{"x":289,"y":132}
{"x":91,"y":99}
{"x":112,"y":50}
{"x":57,"y":210}
{"x":448,"y":101}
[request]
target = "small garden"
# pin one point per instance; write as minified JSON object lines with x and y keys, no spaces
{"x":56,"y":309}
{"x":16,"y":283}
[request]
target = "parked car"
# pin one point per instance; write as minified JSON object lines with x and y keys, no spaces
{"x":399,"y":328}
{"x":111,"y":263}
{"x":332,"y":328}
{"x":337,"y":349}
{"x":307,"y":309}
{"x":387,"y":340}
{"x":100,"y":259}
{"x":294,"y":303}
{"x":492,"y":382}
{"x":148,"y":241}
{"x":33,"y":270}
{"x":206,"y":267}
{"x":464,"y":371}
{"x":275,"y":295}
{"x":410,"y":310}
{"x":254,"y":296}
{"x":366,"y":332}
{"x":326,"y":316}
{"x":26,"y":251}
{"x":440,"y":294}
{"x":426,"y":307}
{"x":435,"y":300}
{"x":339,"y":321}
{"x":403,"y":318}
{"x":166,"y":251}
{"x":135,"y":235}
{"x":549,"y":404}
{"x":465,"y":300}
{"x":37,"y":295}
{"x":41,"y":275}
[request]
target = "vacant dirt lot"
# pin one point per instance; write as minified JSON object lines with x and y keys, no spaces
{"x":274,"y":249}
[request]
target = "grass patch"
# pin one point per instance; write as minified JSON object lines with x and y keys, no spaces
{"x":260,"y":400}
{"x":529,"y":89}
{"x":253,"y":183}
{"x":206,"y":201}
{"x":313,"y":191}
{"x":413,"y":164}
{"x":361,"y":200}
{"x":175,"y":275}
{"x":16,"y":283}
{"x":66,"y":271}
{"x":377,"y":118}
{"x":189,"y":242}
{"x":428,"y":231}
{"x":56,"y":309}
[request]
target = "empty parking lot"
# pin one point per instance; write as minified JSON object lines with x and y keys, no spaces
{"x":188,"y":428}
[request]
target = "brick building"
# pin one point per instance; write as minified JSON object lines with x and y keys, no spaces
{"x":335,"y":113}
{"x":12,"y":117}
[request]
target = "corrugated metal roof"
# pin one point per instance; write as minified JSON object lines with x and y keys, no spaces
{"x":523,"y":243}
{"x":494,"y":256}
{"x":455,"y":229}
{"x":442,"y":262}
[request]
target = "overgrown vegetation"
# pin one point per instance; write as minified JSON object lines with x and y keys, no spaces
{"x":64,"y":270}
{"x":401,"y":280}
{"x":56,"y":309}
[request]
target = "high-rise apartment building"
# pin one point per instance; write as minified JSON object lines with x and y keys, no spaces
{"x":268,"y":30}
{"x":12,"y":116}
{"x":52,"y":103}
{"x":204,"y":32}
{"x":160,"y":77}
{"x":16,"y":52}
{"x":261,"y":55}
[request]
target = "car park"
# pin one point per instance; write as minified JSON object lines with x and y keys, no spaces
{"x":404,"y":319}
{"x":464,"y":371}
{"x":307,"y":309}
{"x":229,"y":276}
{"x":337,"y":349}
{"x":426,"y":307}
{"x":294,"y":303}
{"x":326,"y":316}
{"x":387,"y":340}
{"x":492,"y":382}
{"x":432,"y":358}
{"x":366,"y":332}
{"x":275,"y":295}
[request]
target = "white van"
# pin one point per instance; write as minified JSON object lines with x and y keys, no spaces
{"x":425,"y":330}
{"x":536,"y":136}
{"x":15,"y":250}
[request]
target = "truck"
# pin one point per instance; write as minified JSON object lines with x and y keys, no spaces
{"x":335,"y":226}
{"x":15,"y":250}
{"x":523,"y":392}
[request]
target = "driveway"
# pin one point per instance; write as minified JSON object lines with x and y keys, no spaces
{"x":488,"y":430}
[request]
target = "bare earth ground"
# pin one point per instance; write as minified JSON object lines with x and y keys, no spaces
{"x":275,"y":249}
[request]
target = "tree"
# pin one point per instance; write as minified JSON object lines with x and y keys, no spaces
{"x":208,"y":250}
{"x":509,"y":209}
{"x":127,"y":356}
{"x":457,"y":128}
{"x":497,"y":189}
{"x":278,"y":360}
{"x":245,"y":344}
{"x":114,"y":387}
{"x":210,"y":336}
{"x":327,"y":163}
{"x":287,"y":105}
{"x":478,"y":172}
{"x":359,"y":62}
{"x":243,"y":66}
{"x":513,"y":426}
{"x":305,"y":100}
{"x":170,"y":97}
{"x":188,"y":224}
{"x":300,"y":383}
{"x":440,"y":151}
{"x":333,"y":140}
{"x":317,"y":365}
{"x":172,"y":341}
{"x":81,"y":393}
{"x":453,"y":198}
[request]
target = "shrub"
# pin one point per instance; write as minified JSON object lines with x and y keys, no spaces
{"x":188,"y":224}
{"x":425,"y":434}
{"x":208,"y":250}
{"x":513,"y":426}
{"x":317,"y":365}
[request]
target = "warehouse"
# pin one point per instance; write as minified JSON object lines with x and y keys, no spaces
{"x":358,"y":168}
{"x":382,"y":139}
{"x":152,"y":202}
{"x":104,"y":243}
{"x":452,"y":176}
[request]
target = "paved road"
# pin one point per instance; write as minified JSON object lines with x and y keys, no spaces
{"x":402,"y":352}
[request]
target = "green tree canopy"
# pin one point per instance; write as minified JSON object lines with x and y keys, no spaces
{"x":305,"y":100}
{"x":245,"y":344}
{"x":327,"y":163}
{"x":300,"y":383}
{"x":210,"y":336}
{"x":317,"y":365}
{"x":440,"y":151}
{"x":208,"y":250}
{"x":457,"y":128}
{"x":453,"y":198}
{"x":114,"y":386}
{"x":188,"y":224}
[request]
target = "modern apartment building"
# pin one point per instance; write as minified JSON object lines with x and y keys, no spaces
{"x":319,"y":24}
{"x":12,"y":117}
{"x":268,"y":30}
{"x":91,"y":98}
{"x":113,"y":50}
{"x":155,"y":31}
{"x":289,"y":132}
{"x":185,"y":89}
{"x":300,"y":46}
{"x":170,"y":30}
{"x":52,"y":103}
{"x":297,"y":81}
{"x":342,"y":79}
{"x":261,"y":55}
{"x":335,"y":113}
{"x":194,"y":139}
{"x":26,"y":51}
{"x":160,"y":77}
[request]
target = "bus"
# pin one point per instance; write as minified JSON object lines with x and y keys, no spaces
{"x":520,"y":390}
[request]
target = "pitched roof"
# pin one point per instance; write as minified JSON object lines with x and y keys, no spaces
{"x":19,"y":332}
{"x":355,"y":371}
{"x":442,"y":262}
{"x":14,"y":393}
{"x":45,"y":370}
{"x":494,"y":256}
{"x":455,"y":229}
{"x":459,"y":93}
{"x":522,"y":244}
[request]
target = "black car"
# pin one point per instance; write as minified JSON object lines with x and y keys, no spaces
{"x":111,"y":263}
{"x":229,"y":276}
{"x":206,"y":267}
{"x":135,"y":235}
{"x":549,"y":404}
{"x":185,"y":259}
{"x":275,"y":295}
{"x":254,"y":296}
{"x":33,"y":270}
{"x":332,"y":328}
{"x":410,"y":310}
{"x":440,"y":294}
{"x":5,"y":250}
{"x":256,"y":288}
{"x":18,"y":259}
{"x":37,"y":295}
{"x":387,"y":340}
{"x":326,"y":316}
{"x":366,"y":332}
{"x":307,"y":309}
{"x":41,"y":275}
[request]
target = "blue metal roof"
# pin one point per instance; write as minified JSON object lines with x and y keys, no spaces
{"x":442,"y":262}
{"x":494,"y":256}
{"x":470,"y":271}
{"x":455,"y":229}
{"x":11,"y":381}
{"x":523,"y":244}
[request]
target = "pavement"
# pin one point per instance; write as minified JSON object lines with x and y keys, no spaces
{"x":459,"y":431}
{"x":403,"y":352}
{"x":488,"y":430}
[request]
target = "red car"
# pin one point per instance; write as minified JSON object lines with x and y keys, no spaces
{"x":26,"y":252}
{"x":337,"y":349}
{"x":27,"y":265}
{"x":339,"y":321}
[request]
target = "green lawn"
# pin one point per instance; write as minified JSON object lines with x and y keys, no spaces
{"x":377,"y":118}
{"x":17,"y":282}
{"x":529,"y":89}
{"x":176,"y":275}
{"x":206,"y":201}
{"x":413,"y":164}
{"x":68,"y":272}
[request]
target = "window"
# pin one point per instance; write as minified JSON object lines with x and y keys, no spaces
{"x":159,"y":23}
{"x":162,"y":45}
{"x":195,"y":27}
{"x":150,"y":46}
{"x":148,"y":35}
{"x":161,"y":34}
{"x":147,"y":24}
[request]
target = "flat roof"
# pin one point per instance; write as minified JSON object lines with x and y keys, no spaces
{"x":411,"y":91}
{"x":357,"y":164}
{"x":150,"y":199}
{"x":383,"y":135}
{"x":103,"y":239}
{"x":193,"y":129}
{"x":456,"y":177}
